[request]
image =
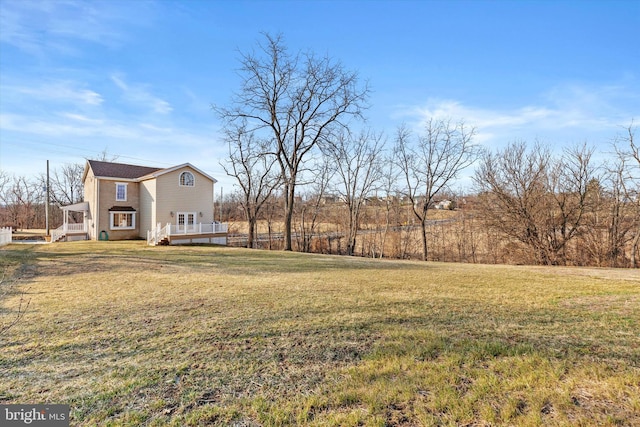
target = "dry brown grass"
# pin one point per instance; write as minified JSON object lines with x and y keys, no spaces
{"x":133,"y":335}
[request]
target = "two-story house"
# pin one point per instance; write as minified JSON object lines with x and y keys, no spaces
{"x":163,"y":205}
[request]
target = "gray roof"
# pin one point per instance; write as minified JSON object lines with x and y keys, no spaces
{"x":120,"y":170}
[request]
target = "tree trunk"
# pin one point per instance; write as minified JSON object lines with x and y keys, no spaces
{"x":303,"y":239}
{"x":634,"y":250}
{"x":387,"y":225}
{"x":353,"y":230}
{"x":351,"y":244}
{"x":251,"y":235}
{"x":288,"y":216}
{"x":423,"y":231}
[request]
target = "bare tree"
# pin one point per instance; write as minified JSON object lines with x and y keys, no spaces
{"x":23,"y":202}
{"x":311,"y":208}
{"x":535,"y":199}
{"x":255,"y":172}
{"x":104,"y":156}
{"x":5,"y":179}
{"x":388,"y":181}
{"x":511,"y":185}
{"x":269,"y":214}
{"x":431,"y":162}
{"x":358,"y":170}
{"x":66,"y":184}
{"x":568,"y":186}
{"x":616,"y":214}
{"x":299,"y":101}
{"x":628,"y":153}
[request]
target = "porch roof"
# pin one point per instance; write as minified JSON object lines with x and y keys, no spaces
{"x":78,"y":207}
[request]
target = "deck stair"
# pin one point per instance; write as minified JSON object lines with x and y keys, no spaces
{"x":61,"y":233}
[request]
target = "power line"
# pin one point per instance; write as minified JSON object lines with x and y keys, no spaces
{"x":69,"y":150}
{"x":76,"y":149}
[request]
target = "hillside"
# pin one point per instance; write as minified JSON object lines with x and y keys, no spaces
{"x":128,"y":334}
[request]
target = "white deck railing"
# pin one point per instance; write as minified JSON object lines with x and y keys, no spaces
{"x":197,"y":228}
{"x":64,"y":229}
{"x":159,"y":233}
{"x":57,"y":234}
{"x":70,"y":228}
{"x":6,"y":235}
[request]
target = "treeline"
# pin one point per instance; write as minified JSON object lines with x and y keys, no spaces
{"x":23,"y":199}
{"x":292,"y":142}
{"x":529,"y":206}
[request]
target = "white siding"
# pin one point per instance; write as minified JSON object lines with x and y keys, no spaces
{"x":147,"y":216}
{"x":171,"y":197}
{"x":91,"y":196}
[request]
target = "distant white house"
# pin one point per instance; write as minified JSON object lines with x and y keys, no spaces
{"x":443,"y":204}
{"x":163,"y":205}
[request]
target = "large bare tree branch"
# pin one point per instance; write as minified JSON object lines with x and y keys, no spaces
{"x":297,"y":102}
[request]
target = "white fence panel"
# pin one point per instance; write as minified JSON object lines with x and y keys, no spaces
{"x":6,"y":235}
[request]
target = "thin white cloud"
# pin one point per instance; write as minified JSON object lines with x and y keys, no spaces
{"x":67,"y":126}
{"x":81,"y":118}
{"x":59,"y":128}
{"x":482,"y":117}
{"x":44,"y":26}
{"x":566,"y":112}
{"x":159,"y":129}
{"x":58,"y":91}
{"x":140,"y":96}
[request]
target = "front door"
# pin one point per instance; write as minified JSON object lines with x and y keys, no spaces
{"x":186,"y":222}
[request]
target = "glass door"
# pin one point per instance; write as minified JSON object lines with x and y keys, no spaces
{"x":186,"y":222}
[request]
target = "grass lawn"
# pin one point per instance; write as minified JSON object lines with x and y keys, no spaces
{"x":128,"y":334}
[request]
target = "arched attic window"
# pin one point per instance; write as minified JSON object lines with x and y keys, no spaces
{"x":187,"y":179}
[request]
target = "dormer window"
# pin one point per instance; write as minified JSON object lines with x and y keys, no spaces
{"x":187,"y":179}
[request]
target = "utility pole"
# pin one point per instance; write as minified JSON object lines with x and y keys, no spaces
{"x":48,"y":201}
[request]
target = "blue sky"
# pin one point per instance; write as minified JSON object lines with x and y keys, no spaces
{"x":137,"y":78}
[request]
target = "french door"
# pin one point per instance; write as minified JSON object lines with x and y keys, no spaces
{"x":186,"y":222}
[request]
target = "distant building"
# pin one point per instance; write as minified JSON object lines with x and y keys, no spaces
{"x":444,"y":205}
